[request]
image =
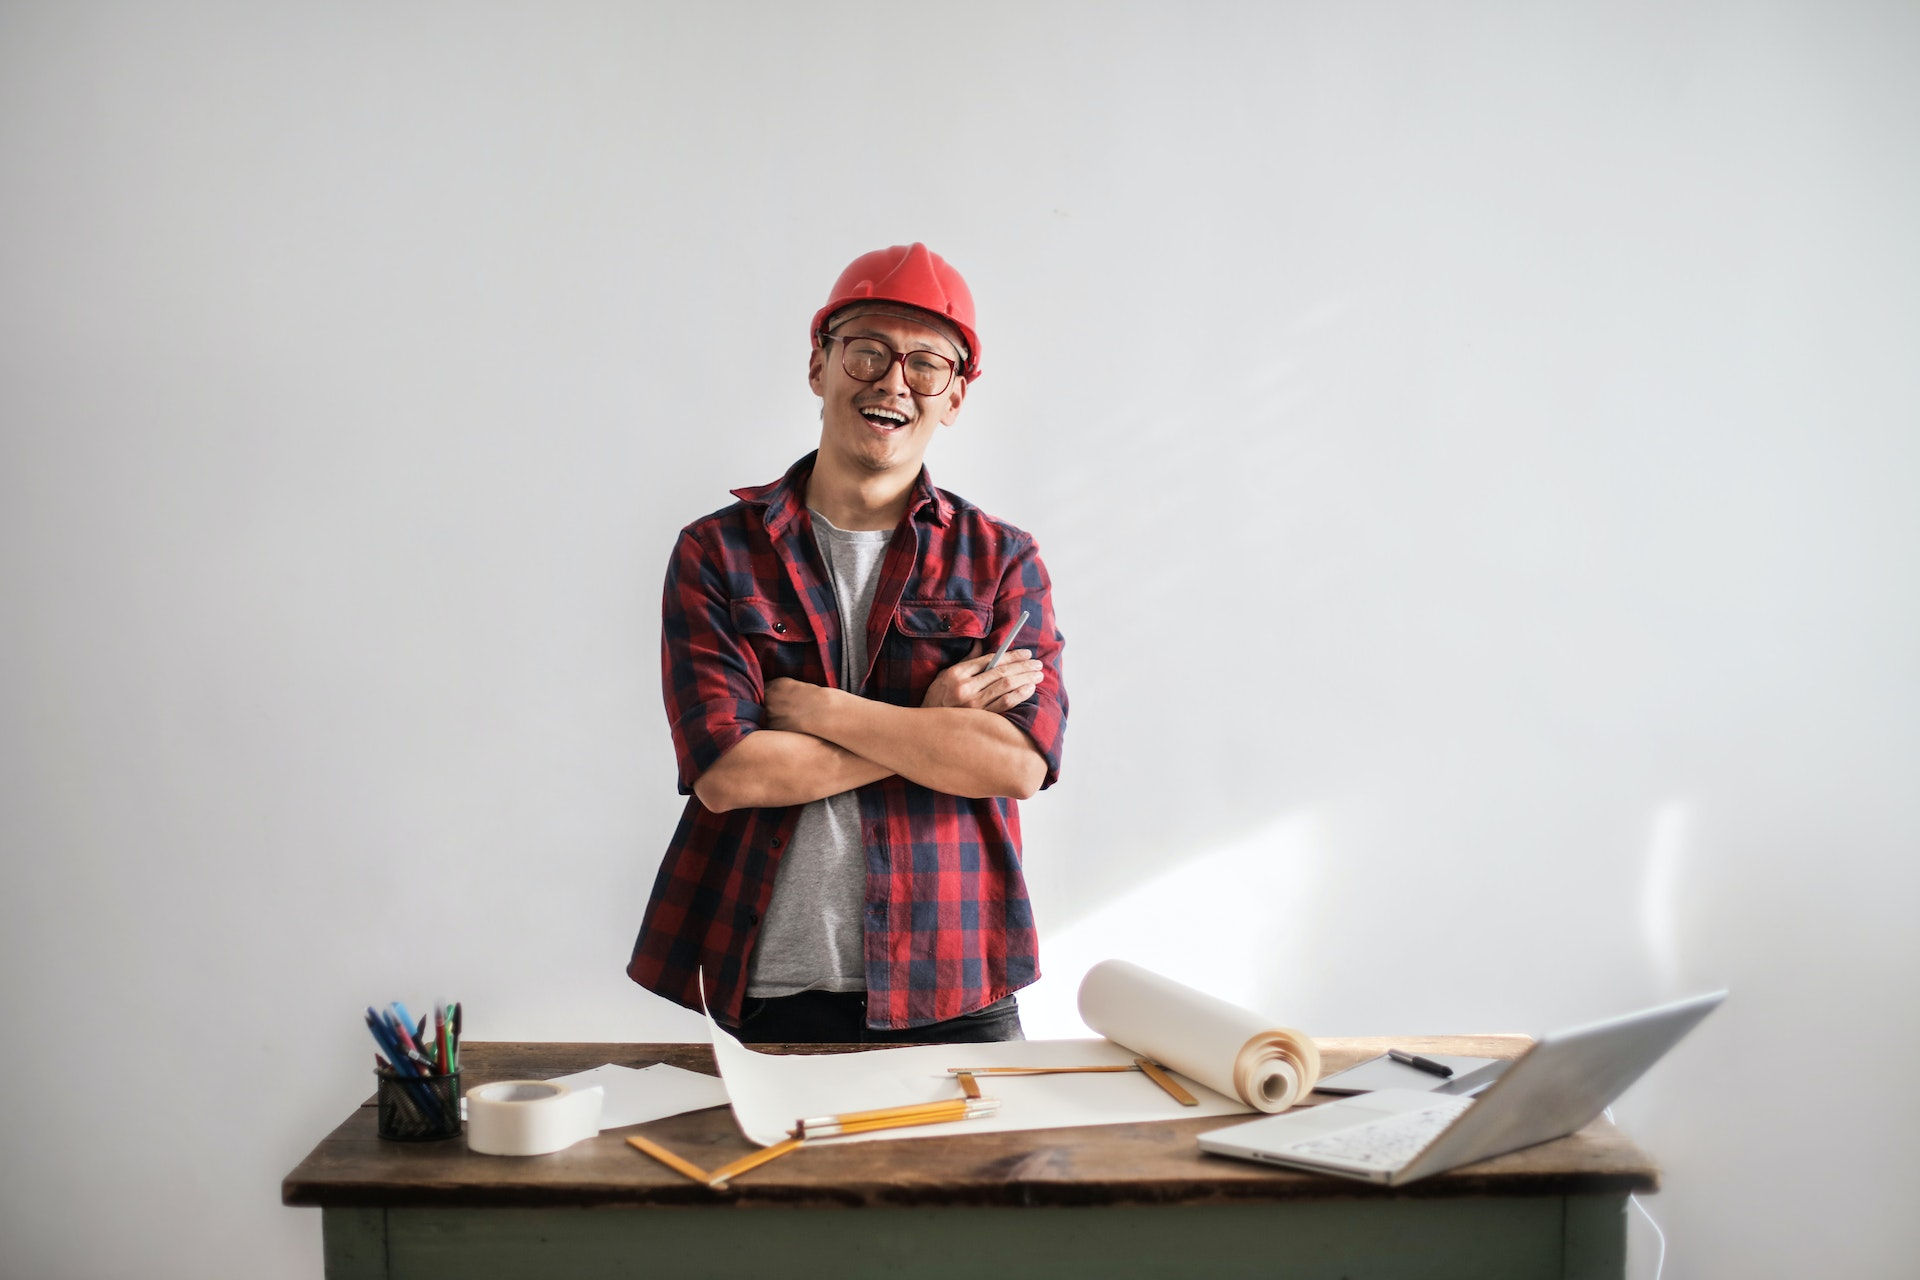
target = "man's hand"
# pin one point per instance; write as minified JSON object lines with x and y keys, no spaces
{"x":946,"y":743}
{"x":968,"y":682}
{"x":790,"y":704}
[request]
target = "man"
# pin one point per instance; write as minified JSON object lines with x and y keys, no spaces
{"x":847,"y":868}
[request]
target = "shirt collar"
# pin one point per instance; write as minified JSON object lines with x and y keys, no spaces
{"x":785,"y":498}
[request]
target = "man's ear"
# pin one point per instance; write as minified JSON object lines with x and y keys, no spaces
{"x":955,"y":396}
{"x":817,"y":369}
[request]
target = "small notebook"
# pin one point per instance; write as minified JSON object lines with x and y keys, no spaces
{"x":1470,"y":1075}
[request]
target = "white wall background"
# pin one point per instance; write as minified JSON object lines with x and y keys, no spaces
{"x":1476,"y":446}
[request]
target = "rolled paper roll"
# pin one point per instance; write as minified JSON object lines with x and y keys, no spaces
{"x":1230,"y":1050}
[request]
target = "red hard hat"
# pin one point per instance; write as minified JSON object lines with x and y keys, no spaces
{"x":914,"y":275}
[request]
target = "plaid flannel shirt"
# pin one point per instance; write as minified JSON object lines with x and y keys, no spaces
{"x":949,"y":928}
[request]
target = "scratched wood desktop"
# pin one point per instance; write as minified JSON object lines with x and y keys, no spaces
{"x":1113,"y":1202}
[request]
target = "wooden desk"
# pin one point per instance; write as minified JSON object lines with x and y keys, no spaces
{"x":1113,"y":1202}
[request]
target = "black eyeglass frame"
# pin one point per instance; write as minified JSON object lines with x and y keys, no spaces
{"x":899,"y":358}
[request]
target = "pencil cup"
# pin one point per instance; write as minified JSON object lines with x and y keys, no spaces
{"x":418,"y":1108}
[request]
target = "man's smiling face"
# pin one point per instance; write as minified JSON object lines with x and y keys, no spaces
{"x":881,"y":426}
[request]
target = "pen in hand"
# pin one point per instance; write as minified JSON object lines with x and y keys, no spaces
{"x":1006,"y":644}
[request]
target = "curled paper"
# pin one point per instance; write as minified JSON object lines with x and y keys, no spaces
{"x":530,"y":1117}
{"x":1230,"y":1050}
{"x":771,"y":1092}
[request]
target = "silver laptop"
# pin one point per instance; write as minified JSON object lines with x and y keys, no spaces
{"x":1397,"y":1135}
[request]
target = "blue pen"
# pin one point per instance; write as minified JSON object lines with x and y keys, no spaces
{"x":397,"y":1056}
{"x":412,"y":1049}
{"x":383,"y":1025}
{"x":385,"y":1056}
{"x":406,"y":1064}
{"x":411,"y":1040}
{"x":396,"y":1060}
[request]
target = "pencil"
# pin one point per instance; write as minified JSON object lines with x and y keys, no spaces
{"x":1158,"y":1074}
{"x":1031,"y":1071}
{"x":719,"y":1176}
{"x":669,"y":1159}
{"x":896,"y":1117}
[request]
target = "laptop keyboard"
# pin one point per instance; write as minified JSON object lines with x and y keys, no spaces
{"x":1389,"y":1142}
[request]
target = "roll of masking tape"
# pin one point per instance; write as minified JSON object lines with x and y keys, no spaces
{"x":530,"y":1117}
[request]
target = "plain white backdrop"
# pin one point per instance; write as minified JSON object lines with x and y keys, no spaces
{"x":1476,"y":447}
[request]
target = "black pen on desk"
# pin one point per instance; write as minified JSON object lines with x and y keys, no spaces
{"x":1006,"y":644}
{"x":1427,"y":1065}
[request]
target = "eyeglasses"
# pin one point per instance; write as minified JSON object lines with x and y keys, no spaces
{"x":868,"y":359}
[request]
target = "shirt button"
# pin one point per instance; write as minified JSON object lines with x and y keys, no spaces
{"x":754,"y":918}
{"x":780,"y":628}
{"x":946,"y":624}
{"x":777,"y":842}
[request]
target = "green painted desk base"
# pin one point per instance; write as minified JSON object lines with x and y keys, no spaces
{"x":1509,"y":1238}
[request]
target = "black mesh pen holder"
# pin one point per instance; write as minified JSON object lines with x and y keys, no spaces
{"x":417,"y":1108}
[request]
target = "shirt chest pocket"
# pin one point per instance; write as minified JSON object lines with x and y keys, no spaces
{"x":781,"y":638}
{"x":927,"y":637}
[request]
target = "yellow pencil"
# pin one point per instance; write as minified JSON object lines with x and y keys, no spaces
{"x":669,"y":1159}
{"x":1158,"y":1074}
{"x":896,"y":1117}
{"x":754,"y":1161}
{"x":1032,"y":1071}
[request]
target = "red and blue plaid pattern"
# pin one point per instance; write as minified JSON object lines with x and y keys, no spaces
{"x":948,"y":925}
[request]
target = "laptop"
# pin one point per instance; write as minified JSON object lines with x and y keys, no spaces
{"x":1394,"y":1136}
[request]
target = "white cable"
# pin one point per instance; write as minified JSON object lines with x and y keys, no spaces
{"x":1660,"y":1263}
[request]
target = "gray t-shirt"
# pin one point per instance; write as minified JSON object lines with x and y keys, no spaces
{"x":813,"y":936}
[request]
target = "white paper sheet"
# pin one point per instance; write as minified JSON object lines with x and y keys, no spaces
{"x":635,"y":1095}
{"x":771,"y":1091}
{"x":1216,"y":1049}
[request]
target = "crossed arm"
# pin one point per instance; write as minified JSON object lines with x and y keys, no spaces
{"x":819,"y":742}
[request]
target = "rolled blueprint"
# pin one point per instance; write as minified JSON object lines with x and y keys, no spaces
{"x":1230,"y":1050}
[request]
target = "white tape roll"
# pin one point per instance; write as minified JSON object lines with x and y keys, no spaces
{"x":530,"y":1117}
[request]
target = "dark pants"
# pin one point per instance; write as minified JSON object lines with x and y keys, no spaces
{"x":840,"y":1017}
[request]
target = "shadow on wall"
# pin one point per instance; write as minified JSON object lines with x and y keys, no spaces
{"x":1329,"y":924}
{"x":1237,"y":922}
